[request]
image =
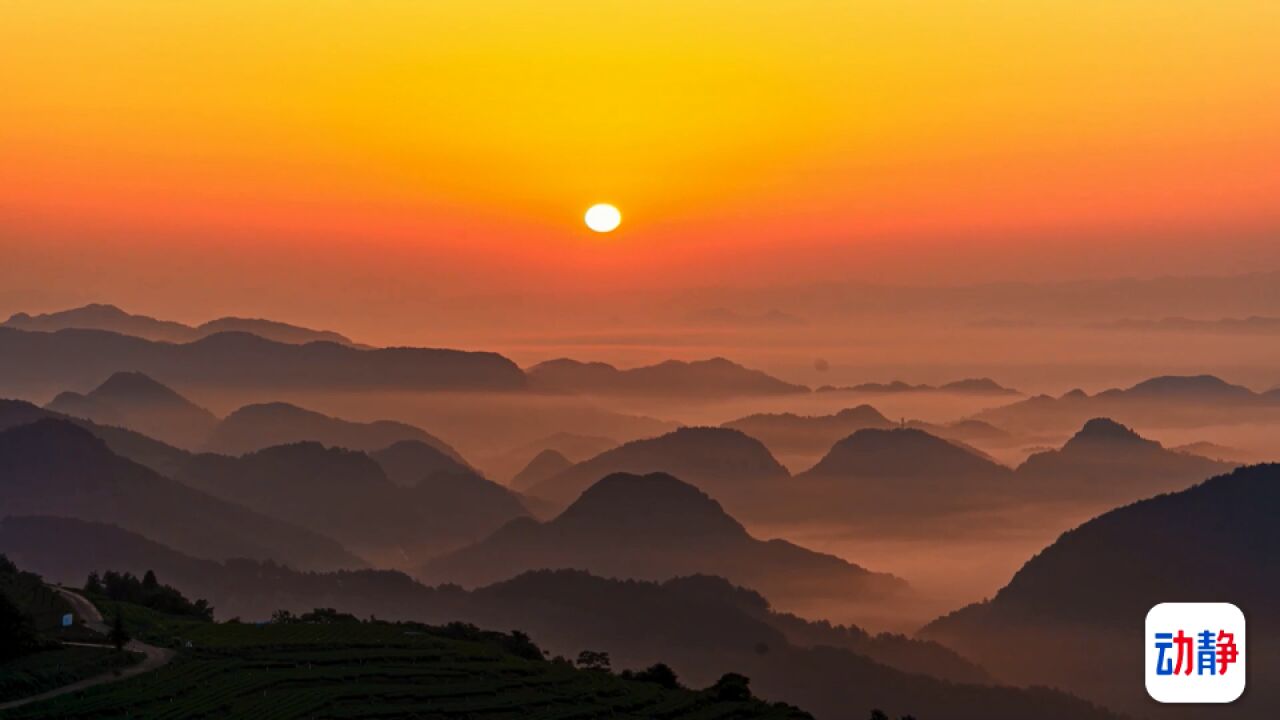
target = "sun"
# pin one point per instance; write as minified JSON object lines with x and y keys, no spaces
{"x":603,"y":218}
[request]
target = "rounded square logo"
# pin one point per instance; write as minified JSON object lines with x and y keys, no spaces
{"x":1195,"y":652}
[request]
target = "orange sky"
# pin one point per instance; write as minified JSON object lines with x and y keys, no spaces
{"x":400,"y":146}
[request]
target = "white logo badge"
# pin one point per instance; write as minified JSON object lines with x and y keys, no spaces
{"x":1195,"y":652}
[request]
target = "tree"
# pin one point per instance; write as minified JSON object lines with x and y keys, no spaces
{"x":731,"y":687}
{"x":878,"y":714}
{"x":17,"y":631}
{"x":149,"y":581}
{"x":94,"y":584}
{"x":659,"y":674}
{"x":119,"y":636}
{"x":592,"y":660}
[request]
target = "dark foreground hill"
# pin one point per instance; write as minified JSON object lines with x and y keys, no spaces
{"x":657,"y":527}
{"x":1086,"y":595}
{"x":327,"y":664}
{"x":716,"y":377}
{"x":34,"y":362}
{"x":53,"y":467}
{"x":725,"y":463}
{"x":136,"y":401}
{"x":703,"y":627}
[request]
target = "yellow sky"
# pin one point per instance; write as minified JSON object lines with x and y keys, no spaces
{"x":466,"y":129}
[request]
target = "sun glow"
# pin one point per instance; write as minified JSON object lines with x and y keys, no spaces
{"x":603,"y":218}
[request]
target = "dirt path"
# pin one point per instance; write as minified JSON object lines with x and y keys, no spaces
{"x":153,"y":657}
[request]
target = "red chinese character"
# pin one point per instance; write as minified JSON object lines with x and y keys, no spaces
{"x":1227,"y":652}
{"x":1185,"y":647}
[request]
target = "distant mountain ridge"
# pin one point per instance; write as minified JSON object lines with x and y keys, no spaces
{"x":33,"y":362}
{"x":716,"y":377}
{"x":98,"y":316}
{"x":1163,"y":401}
{"x":967,"y":386}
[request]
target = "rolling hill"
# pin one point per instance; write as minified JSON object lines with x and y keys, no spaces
{"x":656,"y":527}
{"x":254,"y":427}
{"x":54,"y":467}
{"x":719,"y":461}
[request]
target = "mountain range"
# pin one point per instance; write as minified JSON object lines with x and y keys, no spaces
{"x":33,"y":363}
{"x":967,"y":386}
{"x":98,"y":316}
{"x":1164,"y":401}
{"x":716,"y":377}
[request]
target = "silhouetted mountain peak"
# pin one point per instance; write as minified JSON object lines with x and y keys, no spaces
{"x":863,"y":414}
{"x":136,"y":386}
{"x":1189,"y":385}
{"x":899,"y":452}
{"x":657,"y":504}
{"x":980,"y":386}
{"x":545,"y":464}
{"x":1107,"y":433}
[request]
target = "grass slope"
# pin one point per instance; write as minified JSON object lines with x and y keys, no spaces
{"x":51,"y":669}
{"x":374,"y":670}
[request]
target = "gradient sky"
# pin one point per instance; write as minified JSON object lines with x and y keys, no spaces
{"x":173,"y":155}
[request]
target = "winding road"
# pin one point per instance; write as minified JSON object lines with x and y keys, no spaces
{"x":154,"y":657}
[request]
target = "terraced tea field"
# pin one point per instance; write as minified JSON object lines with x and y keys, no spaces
{"x":373,"y":670}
